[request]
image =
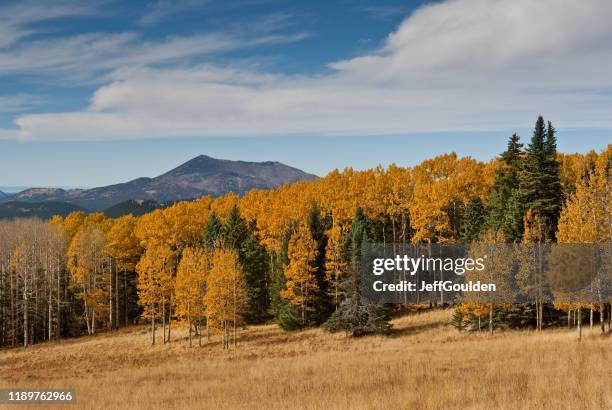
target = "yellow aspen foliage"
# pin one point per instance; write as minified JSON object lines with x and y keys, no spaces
{"x":73,"y":222}
{"x":153,"y":229}
{"x":122,"y":244}
{"x":301,"y":283}
{"x":226,"y":293}
{"x":88,"y":267}
{"x":442,"y":186}
{"x":533,"y":227}
{"x":154,"y":274}
{"x":587,"y":214}
{"x":186,"y":222}
{"x":222,"y":206}
{"x":190,"y":287}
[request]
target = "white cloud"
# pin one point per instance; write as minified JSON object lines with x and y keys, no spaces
{"x":19,"y":102}
{"x":84,"y":57}
{"x":455,"y":65}
{"x":17,"y":19}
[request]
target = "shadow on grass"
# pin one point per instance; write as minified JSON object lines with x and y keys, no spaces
{"x":416,"y":329}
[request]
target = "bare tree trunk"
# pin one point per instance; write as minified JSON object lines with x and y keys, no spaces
{"x":234,"y":312}
{"x":153,"y":329}
{"x":125,"y":297}
{"x":169,"y":318}
{"x":591,"y":318}
{"x":491,"y":318}
{"x":110,"y":295}
{"x":602,"y":322}
{"x":541,"y":315}
{"x":26,"y":322}
{"x":13,"y":311}
{"x":223,"y":335}
{"x":116,"y":299}
{"x":164,"y":318}
{"x":200,"y":324}
{"x":189,"y":319}
{"x":50,"y":313}
{"x":59,"y":310}
{"x":87,"y":319}
{"x":579,"y":326}
{"x":610,"y":317}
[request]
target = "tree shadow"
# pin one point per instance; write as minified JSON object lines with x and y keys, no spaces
{"x":412,"y":330}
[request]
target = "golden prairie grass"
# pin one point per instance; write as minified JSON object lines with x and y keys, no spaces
{"x":424,"y":364}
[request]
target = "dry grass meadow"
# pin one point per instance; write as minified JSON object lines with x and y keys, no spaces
{"x":425,"y":364}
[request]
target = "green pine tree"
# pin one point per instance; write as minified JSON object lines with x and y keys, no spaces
{"x":213,"y":232}
{"x":317,"y":227}
{"x":503,"y":213}
{"x":353,"y":316}
{"x":540,"y":183}
{"x":473,"y":220}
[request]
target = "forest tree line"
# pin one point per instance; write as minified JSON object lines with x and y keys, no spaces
{"x":291,"y":254}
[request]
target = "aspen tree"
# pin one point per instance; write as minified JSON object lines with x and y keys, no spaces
{"x":225,"y":295}
{"x":190,"y":288}
{"x":587,"y":217}
{"x":123,"y":246}
{"x":301,"y":282}
{"x":153,"y":271}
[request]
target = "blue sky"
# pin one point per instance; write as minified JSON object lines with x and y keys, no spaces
{"x":98,"y":92}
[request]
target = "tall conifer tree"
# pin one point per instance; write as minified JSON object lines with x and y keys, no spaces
{"x":540,"y":182}
{"x":506,"y":211}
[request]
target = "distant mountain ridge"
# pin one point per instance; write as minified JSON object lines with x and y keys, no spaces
{"x":203,"y":175}
{"x":44,"y":210}
{"x":3,"y":195}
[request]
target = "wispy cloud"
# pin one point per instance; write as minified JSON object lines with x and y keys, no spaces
{"x":18,"y":20}
{"x":19,"y":102}
{"x":161,"y":9}
{"x":451,"y":66}
{"x":87,"y":57}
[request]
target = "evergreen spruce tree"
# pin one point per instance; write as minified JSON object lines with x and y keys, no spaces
{"x":552,"y":182}
{"x":316,"y":225}
{"x":512,"y":224}
{"x":540,"y":182}
{"x":504,"y":214}
{"x":473,"y":221}
{"x":235,"y":230}
{"x":212,"y":232}
{"x":354,"y":316}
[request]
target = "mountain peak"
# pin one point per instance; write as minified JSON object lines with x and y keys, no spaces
{"x":202,"y":175}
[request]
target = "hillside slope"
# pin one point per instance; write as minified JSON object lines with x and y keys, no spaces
{"x":43,"y":210}
{"x":136,"y":207}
